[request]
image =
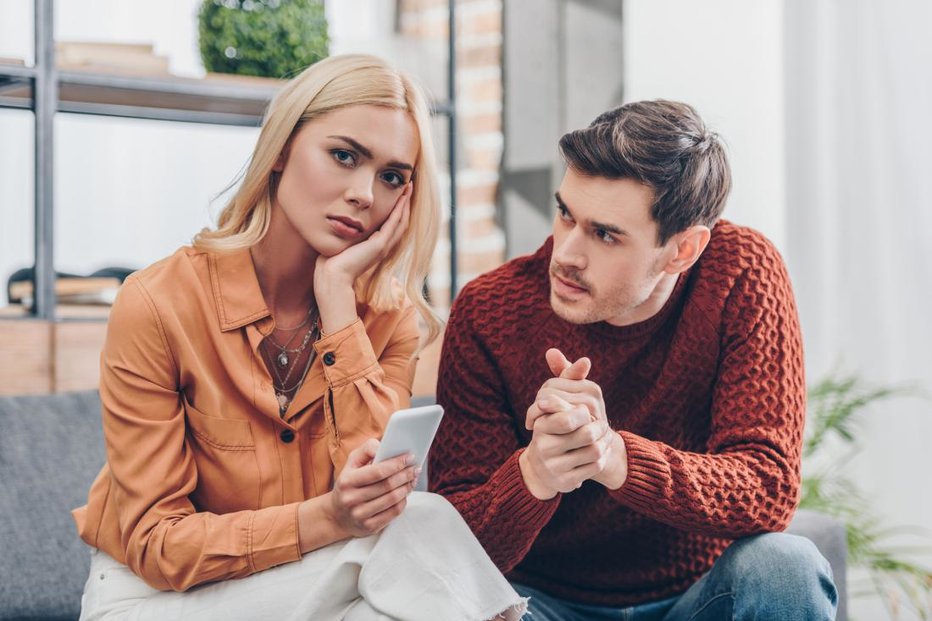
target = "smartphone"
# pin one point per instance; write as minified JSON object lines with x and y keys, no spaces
{"x":411,"y":431}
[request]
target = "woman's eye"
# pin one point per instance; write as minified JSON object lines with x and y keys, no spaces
{"x":344,"y":157}
{"x":394,"y":179}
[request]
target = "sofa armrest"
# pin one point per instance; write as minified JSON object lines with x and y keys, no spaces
{"x":830,"y":537}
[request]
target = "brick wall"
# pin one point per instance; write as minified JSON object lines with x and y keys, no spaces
{"x":481,"y":242}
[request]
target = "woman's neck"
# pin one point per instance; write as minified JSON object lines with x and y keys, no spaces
{"x":284,"y":265}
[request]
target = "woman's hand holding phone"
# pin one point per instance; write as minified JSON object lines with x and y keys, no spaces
{"x":367,"y":496}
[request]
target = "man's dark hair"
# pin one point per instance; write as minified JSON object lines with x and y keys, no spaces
{"x":665,"y":145}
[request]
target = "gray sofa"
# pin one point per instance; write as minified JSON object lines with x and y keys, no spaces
{"x":51,"y":447}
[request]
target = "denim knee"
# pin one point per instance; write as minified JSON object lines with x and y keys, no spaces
{"x":777,"y":567}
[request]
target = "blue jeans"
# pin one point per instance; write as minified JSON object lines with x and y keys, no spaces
{"x":774,"y":576}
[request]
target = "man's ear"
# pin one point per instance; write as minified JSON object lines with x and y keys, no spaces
{"x":688,"y":246}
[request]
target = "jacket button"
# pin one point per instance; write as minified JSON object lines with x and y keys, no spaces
{"x":329,"y":359}
{"x":287,"y":436}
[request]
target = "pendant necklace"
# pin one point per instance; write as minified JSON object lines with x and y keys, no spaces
{"x":282,"y":358}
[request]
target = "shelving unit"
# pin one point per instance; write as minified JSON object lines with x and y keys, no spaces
{"x":219,"y":100}
{"x":49,"y":352}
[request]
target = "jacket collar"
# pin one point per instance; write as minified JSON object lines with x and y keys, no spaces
{"x":236,"y":289}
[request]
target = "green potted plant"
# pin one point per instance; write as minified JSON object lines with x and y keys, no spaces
{"x":269,"y":38}
{"x":836,"y":405}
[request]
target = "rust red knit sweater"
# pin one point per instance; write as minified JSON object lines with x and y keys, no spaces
{"x":708,"y":395}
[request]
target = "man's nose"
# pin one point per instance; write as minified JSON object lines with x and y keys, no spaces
{"x":570,"y":253}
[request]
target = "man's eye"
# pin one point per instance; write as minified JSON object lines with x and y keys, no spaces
{"x":605,"y":236}
{"x":344,"y":157}
{"x":564,"y":212}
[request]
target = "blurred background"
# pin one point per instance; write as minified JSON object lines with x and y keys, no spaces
{"x":824,"y":105}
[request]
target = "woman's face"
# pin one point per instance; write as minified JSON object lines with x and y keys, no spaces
{"x":343,"y":172}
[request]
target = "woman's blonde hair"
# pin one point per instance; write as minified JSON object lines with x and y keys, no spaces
{"x":331,"y":84}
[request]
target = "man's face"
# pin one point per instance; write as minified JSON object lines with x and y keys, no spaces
{"x":606,"y":265}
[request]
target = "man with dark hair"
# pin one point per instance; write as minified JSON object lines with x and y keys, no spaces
{"x":648,"y":478}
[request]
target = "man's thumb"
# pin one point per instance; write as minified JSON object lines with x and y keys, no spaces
{"x":557,"y":361}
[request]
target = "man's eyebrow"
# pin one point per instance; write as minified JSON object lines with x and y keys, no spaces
{"x":611,"y":228}
{"x":368,"y":154}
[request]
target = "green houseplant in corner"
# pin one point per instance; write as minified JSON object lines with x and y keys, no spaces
{"x":269,"y":38}
{"x":835,"y":407}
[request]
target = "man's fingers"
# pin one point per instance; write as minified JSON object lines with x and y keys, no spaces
{"x":560,"y":365}
{"x":550,"y":400}
{"x":556,"y":361}
{"x":562,"y":423}
{"x":590,"y":434}
{"x":573,"y":386}
{"x":545,"y":405}
{"x":579,"y":370}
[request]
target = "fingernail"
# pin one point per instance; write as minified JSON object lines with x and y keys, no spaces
{"x":410,"y":460}
{"x":417,"y":472}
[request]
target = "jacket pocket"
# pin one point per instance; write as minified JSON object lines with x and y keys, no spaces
{"x":219,"y":432}
{"x":224,"y":452}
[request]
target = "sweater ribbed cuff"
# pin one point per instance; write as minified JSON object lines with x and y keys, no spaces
{"x":648,"y":473}
{"x":513,"y":498}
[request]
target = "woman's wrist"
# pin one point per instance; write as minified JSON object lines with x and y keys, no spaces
{"x":317,"y":524}
{"x":336,"y":303}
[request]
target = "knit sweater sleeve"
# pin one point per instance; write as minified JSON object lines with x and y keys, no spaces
{"x":747,"y":480}
{"x":474,"y":458}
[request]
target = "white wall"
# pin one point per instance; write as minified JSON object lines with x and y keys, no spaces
{"x":127,"y":192}
{"x":725,"y":57}
{"x":728,"y":58}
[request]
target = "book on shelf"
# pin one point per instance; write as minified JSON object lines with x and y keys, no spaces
{"x":103,"y":57}
{"x":71,"y":291}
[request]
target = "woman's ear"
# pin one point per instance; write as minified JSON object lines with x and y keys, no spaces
{"x":689,"y":245}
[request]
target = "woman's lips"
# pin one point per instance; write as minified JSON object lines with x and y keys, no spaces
{"x":345,"y":227}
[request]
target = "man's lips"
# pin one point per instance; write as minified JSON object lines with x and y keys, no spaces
{"x":569,"y":285}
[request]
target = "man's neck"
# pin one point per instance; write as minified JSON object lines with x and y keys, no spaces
{"x":661,"y":292}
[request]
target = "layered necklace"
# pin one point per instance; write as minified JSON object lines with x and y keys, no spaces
{"x":284,"y":359}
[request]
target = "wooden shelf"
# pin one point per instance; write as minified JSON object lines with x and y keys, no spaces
{"x":40,"y":356}
{"x":216,"y":99}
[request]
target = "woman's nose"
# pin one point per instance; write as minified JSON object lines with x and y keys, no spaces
{"x":359,"y":192}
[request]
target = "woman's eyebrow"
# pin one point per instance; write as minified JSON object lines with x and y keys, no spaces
{"x":368,"y":154}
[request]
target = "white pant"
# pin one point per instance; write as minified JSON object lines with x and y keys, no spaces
{"x":425,"y":565}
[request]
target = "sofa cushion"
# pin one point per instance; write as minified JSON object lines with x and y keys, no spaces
{"x":51,"y":448}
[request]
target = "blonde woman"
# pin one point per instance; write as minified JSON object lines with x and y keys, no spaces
{"x":245,"y":381}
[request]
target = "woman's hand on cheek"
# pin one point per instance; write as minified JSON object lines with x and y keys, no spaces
{"x":335,"y":276}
